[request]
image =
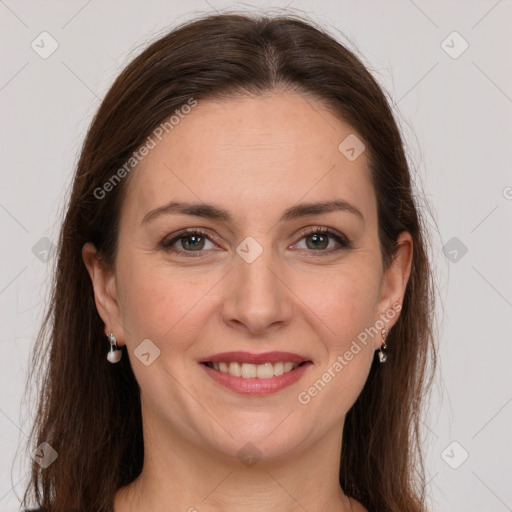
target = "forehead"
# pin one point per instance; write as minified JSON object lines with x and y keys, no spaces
{"x":251,"y":155}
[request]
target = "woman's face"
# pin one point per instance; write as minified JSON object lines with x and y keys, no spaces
{"x":255,"y":280}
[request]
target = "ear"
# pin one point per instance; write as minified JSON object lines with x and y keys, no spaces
{"x":105,"y":292}
{"x":395,"y":281}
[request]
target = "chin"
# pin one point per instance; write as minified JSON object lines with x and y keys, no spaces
{"x":265,"y":438}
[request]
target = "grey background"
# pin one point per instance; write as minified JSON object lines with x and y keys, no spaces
{"x":455,"y":114}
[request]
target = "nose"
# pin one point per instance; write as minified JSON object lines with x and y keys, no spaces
{"x":259,"y":299}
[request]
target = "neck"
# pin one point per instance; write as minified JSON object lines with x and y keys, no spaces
{"x":181,"y":475}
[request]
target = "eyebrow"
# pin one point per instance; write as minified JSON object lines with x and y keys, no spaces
{"x":210,"y":211}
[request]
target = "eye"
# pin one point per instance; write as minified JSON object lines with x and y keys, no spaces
{"x":190,"y":241}
{"x":318,"y":240}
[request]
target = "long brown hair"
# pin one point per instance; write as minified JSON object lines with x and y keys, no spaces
{"x":89,"y":411}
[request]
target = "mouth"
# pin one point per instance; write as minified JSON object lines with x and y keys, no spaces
{"x":254,"y":371}
{"x":255,"y":374}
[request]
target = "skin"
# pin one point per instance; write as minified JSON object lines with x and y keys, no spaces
{"x":254,"y":157}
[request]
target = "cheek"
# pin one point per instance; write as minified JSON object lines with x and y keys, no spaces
{"x":356,"y":301}
{"x":167,"y":307}
{"x":345,"y":308}
{"x":344,"y":300}
{"x":160,"y":302}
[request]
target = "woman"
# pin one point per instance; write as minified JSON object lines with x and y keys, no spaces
{"x":242,"y":310}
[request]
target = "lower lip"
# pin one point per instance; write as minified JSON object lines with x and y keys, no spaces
{"x":255,"y":386}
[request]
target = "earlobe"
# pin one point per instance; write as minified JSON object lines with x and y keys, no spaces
{"x":105,"y":296}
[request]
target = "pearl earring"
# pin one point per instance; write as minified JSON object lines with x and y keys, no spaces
{"x":114,"y":354}
{"x":382,"y":356}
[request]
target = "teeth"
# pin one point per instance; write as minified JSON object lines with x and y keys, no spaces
{"x":249,"y":371}
{"x":235,"y":369}
{"x":287,"y":367}
{"x":260,"y":371}
{"x":265,"y":371}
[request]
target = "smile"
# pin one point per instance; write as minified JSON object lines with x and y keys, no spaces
{"x":256,"y":379}
{"x":259,"y":371}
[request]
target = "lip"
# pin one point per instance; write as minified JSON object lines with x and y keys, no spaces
{"x":249,"y":357}
{"x":255,"y":386}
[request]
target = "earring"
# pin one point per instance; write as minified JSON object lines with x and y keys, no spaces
{"x":382,"y":356}
{"x":114,"y":354}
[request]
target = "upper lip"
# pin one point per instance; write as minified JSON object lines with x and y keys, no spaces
{"x":249,"y":357}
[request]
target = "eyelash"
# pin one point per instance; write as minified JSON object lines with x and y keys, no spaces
{"x":341,"y":239}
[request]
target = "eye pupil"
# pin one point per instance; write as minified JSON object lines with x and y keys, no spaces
{"x":319,"y":238}
{"x":196,"y":239}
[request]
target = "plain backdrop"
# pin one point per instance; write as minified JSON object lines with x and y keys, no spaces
{"x":446,"y":68}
